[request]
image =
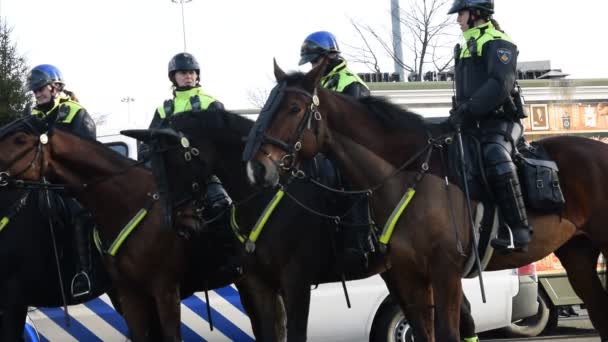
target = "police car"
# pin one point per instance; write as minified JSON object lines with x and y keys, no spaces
{"x":373,"y":312}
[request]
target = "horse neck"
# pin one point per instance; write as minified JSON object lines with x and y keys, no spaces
{"x":362,"y":144}
{"x":114,"y":189}
{"x":348,"y":119}
{"x":231,"y":171}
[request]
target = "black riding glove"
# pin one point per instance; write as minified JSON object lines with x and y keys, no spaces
{"x":143,"y":151}
{"x":458,"y":114}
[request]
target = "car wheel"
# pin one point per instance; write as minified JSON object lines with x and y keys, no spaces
{"x":537,"y":324}
{"x":390,"y":325}
{"x":553,"y":318}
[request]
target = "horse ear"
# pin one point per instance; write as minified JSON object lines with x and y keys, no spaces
{"x":315,"y":74}
{"x":279,"y":74}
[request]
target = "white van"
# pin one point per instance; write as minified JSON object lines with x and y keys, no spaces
{"x":330,"y":320}
{"x":372,"y":310}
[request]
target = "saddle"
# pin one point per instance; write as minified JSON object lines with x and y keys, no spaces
{"x":538,"y":177}
{"x":537,"y":172}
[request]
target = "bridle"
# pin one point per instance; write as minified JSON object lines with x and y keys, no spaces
{"x":287,"y":162}
{"x":6,"y":177}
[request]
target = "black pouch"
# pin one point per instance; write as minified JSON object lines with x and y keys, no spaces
{"x":540,"y":184}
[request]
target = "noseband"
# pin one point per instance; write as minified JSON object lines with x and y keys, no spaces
{"x":287,"y":161}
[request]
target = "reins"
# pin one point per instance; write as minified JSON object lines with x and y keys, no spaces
{"x":6,"y":179}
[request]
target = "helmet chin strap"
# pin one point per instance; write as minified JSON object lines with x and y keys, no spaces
{"x":472,"y":18}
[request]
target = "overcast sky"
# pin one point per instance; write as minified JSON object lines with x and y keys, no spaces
{"x":111,"y":49}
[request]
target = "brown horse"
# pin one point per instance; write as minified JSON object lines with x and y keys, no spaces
{"x":371,"y":139}
{"x":294,"y":251}
{"x":153,"y":268}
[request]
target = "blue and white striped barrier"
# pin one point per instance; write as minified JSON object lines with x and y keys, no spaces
{"x":96,"y":320}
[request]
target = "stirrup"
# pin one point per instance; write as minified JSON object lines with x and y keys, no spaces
{"x":511,"y":244}
{"x":88,"y":283}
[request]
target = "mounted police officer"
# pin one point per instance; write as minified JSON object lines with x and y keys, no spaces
{"x":48,"y":86}
{"x":337,"y":77}
{"x":184,"y":74}
{"x":358,"y":242}
{"x":487,"y":101}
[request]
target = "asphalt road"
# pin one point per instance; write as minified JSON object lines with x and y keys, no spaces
{"x":577,"y":329}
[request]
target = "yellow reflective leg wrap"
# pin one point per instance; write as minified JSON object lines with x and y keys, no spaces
{"x":389,"y":227}
{"x":471,"y":339}
{"x":5,"y":220}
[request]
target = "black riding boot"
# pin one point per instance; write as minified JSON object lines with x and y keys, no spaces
{"x":358,"y":241}
{"x":511,"y":202}
{"x":217,"y":199}
{"x":81,"y":283}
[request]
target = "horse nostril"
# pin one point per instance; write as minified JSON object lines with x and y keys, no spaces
{"x":255,"y":171}
{"x":259,"y":171}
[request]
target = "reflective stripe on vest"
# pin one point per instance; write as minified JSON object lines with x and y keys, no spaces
{"x":346,"y":78}
{"x":67,"y":110}
{"x":191,"y":100}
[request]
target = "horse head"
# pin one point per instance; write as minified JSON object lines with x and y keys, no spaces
{"x":186,"y":151}
{"x":171,"y":146}
{"x":289,"y":127}
{"x":22,"y":149}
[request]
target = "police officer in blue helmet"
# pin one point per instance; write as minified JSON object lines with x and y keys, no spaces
{"x":337,"y":77}
{"x":48,"y":86}
{"x":487,"y":102}
{"x":52,"y":99}
{"x":357,"y":242}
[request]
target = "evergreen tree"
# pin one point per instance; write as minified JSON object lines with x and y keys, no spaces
{"x":14,"y":100}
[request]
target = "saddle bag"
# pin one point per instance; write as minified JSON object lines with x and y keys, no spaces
{"x":541,"y":188}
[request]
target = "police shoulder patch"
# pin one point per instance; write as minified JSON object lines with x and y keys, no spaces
{"x":504,"y":55}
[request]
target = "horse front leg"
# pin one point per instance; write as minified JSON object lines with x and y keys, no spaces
{"x":415,"y":296}
{"x":14,"y":311}
{"x":296,"y":298}
{"x":260,"y":301}
{"x":447,"y":294}
{"x":467,"y":324}
{"x":168,"y":307}
{"x":137,"y":309}
{"x":579,"y":258}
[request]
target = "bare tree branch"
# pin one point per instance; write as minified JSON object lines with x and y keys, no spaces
{"x":426,"y":33}
{"x":374,"y":60}
{"x":100,"y":119}
{"x":257,"y":97}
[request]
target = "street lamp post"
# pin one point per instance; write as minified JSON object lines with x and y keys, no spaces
{"x":181,"y":2}
{"x":128,"y":100}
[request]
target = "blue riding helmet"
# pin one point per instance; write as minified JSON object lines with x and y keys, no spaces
{"x":484,"y":5}
{"x":316,"y":45}
{"x":42,"y":75}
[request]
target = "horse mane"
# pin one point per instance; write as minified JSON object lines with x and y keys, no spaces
{"x":217,"y":123}
{"x":391,"y":116}
{"x":102,"y":150}
{"x":293,"y":77}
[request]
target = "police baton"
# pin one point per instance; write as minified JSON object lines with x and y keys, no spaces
{"x":469,"y":210}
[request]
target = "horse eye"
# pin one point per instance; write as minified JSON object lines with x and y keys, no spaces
{"x":294,"y":109}
{"x":20,"y":139}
